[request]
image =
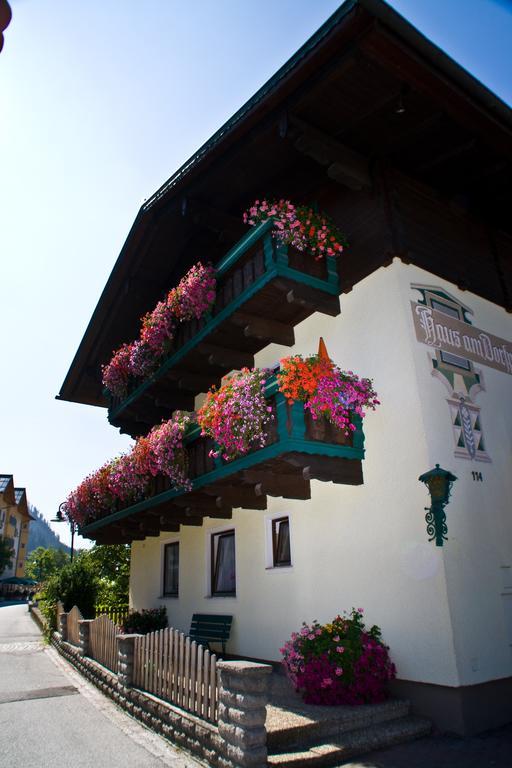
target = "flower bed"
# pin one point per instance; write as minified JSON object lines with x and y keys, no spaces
{"x":339,"y":663}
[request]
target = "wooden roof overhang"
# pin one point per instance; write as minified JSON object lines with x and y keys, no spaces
{"x":408,"y":152}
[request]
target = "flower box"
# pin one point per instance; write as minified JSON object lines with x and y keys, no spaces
{"x":264,"y":289}
{"x":298,"y":448}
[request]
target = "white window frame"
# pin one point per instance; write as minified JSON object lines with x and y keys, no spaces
{"x":210,"y":533}
{"x":172,"y":540}
{"x":269,"y":544}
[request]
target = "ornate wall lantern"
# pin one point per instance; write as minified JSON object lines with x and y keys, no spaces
{"x":439,"y":483}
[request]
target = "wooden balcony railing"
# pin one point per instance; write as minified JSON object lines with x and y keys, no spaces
{"x":263,"y":290}
{"x":298,"y":449}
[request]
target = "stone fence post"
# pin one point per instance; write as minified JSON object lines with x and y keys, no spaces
{"x":84,"y":629}
{"x":63,"y":626}
{"x":243,"y":696}
{"x":125,"y":654}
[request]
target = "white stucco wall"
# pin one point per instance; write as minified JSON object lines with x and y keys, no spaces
{"x":479,"y":516}
{"x":367,"y":545}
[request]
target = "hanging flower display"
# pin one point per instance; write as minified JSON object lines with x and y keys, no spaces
{"x":143,"y":361}
{"x":157,"y":329}
{"x":191,"y":299}
{"x":339,"y":663}
{"x":116,"y":374}
{"x":126,"y":478}
{"x":325,"y":389}
{"x":236,"y":415}
{"x":299,"y":226}
{"x":195,"y":293}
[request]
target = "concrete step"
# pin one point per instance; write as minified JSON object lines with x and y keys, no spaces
{"x":296,"y":724}
{"x":352,"y":743}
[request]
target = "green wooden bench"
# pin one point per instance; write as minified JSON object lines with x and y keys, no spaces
{"x":209,"y":628}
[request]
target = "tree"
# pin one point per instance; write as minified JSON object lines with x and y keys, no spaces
{"x":6,"y":554}
{"x":75,"y":584}
{"x":111,"y":565}
{"x":43,"y":563}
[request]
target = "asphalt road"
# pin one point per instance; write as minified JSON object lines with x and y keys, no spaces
{"x":50,"y":716}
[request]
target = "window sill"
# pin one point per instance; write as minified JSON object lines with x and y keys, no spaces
{"x":168,"y":597}
{"x":279,"y":567}
{"x":219,"y":597}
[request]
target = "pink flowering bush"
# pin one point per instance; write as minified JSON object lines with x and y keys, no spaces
{"x":236,"y":415}
{"x":298,"y":226}
{"x":195,"y":293}
{"x":126,"y":479}
{"x":191,"y":299}
{"x":325,"y":389}
{"x":116,"y":374}
{"x":167,"y":454}
{"x":339,"y":663}
{"x":142,"y":359}
{"x":157,"y":329}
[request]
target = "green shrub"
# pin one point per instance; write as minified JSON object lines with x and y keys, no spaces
{"x":142,"y":622}
{"x":75,"y":584}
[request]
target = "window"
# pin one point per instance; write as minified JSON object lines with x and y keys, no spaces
{"x":171,"y":569}
{"x":223,"y":568}
{"x":281,"y":554}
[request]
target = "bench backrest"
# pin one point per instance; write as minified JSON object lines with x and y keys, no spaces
{"x":211,"y":627}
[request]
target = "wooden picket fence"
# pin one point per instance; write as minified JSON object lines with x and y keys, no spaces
{"x":60,"y":610}
{"x":103,"y":643}
{"x":74,"y":616}
{"x":177,"y":669}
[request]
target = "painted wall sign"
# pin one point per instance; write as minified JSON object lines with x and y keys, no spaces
{"x":439,"y":330}
{"x":442,"y":323}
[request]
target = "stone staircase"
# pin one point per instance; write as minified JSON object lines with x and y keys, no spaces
{"x":303,"y":736}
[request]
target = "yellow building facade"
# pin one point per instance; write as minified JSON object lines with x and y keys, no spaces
{"x":14,"y":524}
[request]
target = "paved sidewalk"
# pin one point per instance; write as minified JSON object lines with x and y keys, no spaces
{"x":49,"y":715}
{"x":490,"y":750}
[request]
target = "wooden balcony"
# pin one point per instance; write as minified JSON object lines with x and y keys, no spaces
{"x":298,"y":450}
{"x":263,"y":290}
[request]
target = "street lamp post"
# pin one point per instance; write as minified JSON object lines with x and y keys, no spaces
{"x":59,"y":518}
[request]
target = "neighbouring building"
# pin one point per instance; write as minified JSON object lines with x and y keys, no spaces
{"x":14,"y":524}
{"x":411,"y":156}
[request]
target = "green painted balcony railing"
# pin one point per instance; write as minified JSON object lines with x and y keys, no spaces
{"x":298,"y":450}
{"x":263,"y":290}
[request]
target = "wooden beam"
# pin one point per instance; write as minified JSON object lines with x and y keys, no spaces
{"x":240,"y":496}
{"x":225,"y":358}
{"x":214,"y":219}
{"x":200,"y":501}
{"x":173,"y":401}
{"x":327,"y":468}
{"x":309,"y":298}
{"x":195,"y":382}
{"x":344,"y":165}
{"x":264,"y":328}
{"x":288,"y":486}
{"x":190,"y":519}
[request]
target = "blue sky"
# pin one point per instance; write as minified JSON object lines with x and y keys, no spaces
{"x":100,"y":101}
